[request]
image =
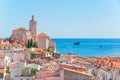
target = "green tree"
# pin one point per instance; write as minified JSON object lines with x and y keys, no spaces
{"x":49,"y":50}
{"x":28,"y":44}
{"x":31,"y":43}
{"x":53,"y":54}
{"x":33,"y":71}
{"x":34,"y":44}
{"x":32,"y":55}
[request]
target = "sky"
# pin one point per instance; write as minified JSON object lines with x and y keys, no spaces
{"x":63,"y":18}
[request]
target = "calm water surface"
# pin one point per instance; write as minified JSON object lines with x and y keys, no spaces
{"x":89,"y":47}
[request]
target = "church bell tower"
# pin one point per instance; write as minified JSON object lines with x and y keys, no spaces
{"x":32,"y":27}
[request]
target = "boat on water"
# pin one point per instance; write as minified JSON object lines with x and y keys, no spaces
{"x":77,"y":43}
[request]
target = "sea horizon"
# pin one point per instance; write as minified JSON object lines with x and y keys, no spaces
{"x":88,"y":46}
{"x":84,"y":38}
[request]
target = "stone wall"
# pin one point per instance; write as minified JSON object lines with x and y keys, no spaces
{"x":21,"y":36}
{"x":52,"y":44}
{"x":43,"y":43}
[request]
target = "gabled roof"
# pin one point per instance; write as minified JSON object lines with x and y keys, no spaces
{"x":43,"y":35}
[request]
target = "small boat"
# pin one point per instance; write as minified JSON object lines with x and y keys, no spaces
{"x":77,"y":43}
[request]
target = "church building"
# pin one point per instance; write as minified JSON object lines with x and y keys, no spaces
{"x":23,"y":35}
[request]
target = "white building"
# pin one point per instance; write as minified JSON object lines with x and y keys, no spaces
{"x":105,"y":74}
{"x":4,"y":60}
{"x":33,"y":65}
{"x":10,"y":49}
{"x":15,"y":68}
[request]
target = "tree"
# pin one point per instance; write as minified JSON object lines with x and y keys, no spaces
{"x":34,"y":44}
{"x":28,"y":44}
{"x":34,"y":70}
{"x":31,"y":43}
{"x":53,"y":54}
{"x":32,"y":55}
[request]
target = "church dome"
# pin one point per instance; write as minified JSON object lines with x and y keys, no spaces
{"x":43,"y":35}
{"x":20,"y":29}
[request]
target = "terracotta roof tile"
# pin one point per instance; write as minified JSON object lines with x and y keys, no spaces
{"x":2,"y":56}
{"x":43,"y":35}
{"x":20,"y":29}
{"x":10,"y":45}
{"x":2,"y":70}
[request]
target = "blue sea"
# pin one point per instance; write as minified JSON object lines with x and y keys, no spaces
{"x":89,"y":47}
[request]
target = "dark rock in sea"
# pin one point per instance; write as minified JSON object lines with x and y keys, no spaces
{"x":77,"y":43}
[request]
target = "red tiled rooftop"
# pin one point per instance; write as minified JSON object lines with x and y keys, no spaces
{"x":20,"y":29}
{"x":1,"y":70}
{"x":2,"y":56}
{"x":10,"y":45}
{"x":43,"y":35}
{"x":43,"y":72}
{"x":73,"y":67}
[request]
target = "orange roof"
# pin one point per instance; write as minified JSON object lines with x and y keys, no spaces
{"x":79,"y":72}
{"x":73,"y":67}
{"x":43,"y":35}
{"x":116,"y":65}
{"x":9,"y":44}
{"x":2,"y":70}
{"x":2,"y":56}
{"x":6,"y":45}
{"x":20,"y":29}
{"x":109,"y":62}
{"x":44,"y":72}
{"x":41,"y":49}
{"x":38,"y":53}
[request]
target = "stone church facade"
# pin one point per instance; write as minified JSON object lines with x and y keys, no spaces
{"x":23,"y":35}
